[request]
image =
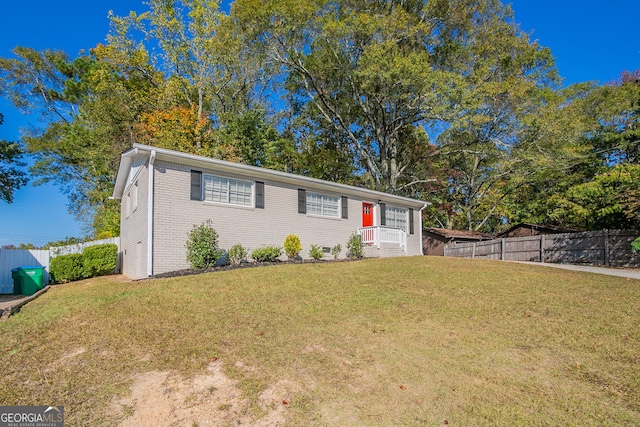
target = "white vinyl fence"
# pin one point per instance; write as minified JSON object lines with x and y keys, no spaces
{"x":12,"y":258}
{"x":79,"y":247}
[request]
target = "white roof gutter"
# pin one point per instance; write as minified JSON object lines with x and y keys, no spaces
{"x":421,"y":209}
{"x":152,"y":159}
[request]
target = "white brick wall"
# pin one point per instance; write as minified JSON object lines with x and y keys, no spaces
{"x":133,"y":230}
{"x":175,"y":215}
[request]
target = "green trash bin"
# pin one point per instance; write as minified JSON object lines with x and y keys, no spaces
{"x":17,"y":281}
{"x":27,"y":280}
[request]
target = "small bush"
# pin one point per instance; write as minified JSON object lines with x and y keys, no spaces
{"x":635,"y":245}
{"x":292,"y":246}
{"x":354,"y":246}
{"x":316,"y":252}
{"x":100,"y":260}
{"x":202,"y":246}
{"x":267,"y":253}
{"x":335,"y":251}
{"x":67,"y":268}
{"x":237,"y":254}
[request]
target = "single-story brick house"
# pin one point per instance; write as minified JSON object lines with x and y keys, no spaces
{"x":435,"y":239}
{"x":164,"y":193}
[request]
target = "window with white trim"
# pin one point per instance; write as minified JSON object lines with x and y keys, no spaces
{"x":322,"y":204}
{"x":227,"y":190}
{"x":396,"y":217}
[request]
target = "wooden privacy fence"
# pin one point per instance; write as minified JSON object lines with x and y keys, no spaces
{"x":12,"y":258}
{"x":606,"y":247}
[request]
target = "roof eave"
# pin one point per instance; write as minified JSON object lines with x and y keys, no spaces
{"x":126,"y":159}
{"x":270,"y":174}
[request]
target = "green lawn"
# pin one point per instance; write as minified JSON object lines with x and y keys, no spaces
{"x":405,"y":341}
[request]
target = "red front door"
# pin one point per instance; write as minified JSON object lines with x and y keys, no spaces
{"x":367,"y":215}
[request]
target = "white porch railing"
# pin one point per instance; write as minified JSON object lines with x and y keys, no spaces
{"x":380,"y":234}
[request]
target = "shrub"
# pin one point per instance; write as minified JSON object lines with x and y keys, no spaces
{"x":335,"y":251}
{"x":635,"y":245}
{"x":100,"y":260}
{"x":292,"y":246}
{"x":67,"y":268}
{"x":202,"y":246}
{"x":354,"y":246}
{"x":237,"y":254}
{"x":316,"y":252}
{"x":267,"y":253}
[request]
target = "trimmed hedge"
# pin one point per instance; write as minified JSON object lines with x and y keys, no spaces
{"x":94,"y":261}
{"x":67,"y":268}
{"x":100,"y":260}
{"x":267,"y":254}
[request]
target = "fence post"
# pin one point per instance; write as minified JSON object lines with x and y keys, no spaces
{"x":605,"y":233}
{"x":502,"y":249}
{"x":473,"y":251}
{"x":542,"y":245}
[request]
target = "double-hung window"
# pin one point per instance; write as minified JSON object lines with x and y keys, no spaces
{"x":323,"y":205}
{"x":396,"y":217}
{"x":227,"y":190}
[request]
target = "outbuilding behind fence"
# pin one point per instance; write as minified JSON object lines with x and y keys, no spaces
{"x":605,"y":247}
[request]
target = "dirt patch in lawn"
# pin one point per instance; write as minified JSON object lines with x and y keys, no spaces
{"x":165,"y":398}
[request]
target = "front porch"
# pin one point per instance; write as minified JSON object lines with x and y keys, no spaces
{"x":389,"y":238}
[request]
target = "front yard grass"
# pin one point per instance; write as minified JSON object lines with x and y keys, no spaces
{"x":405,"y":341}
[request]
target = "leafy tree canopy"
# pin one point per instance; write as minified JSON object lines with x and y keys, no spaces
{"x":444,"y":100}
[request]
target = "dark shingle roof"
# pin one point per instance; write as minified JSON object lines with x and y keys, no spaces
{"x":541,"y":227}
{"x":465,"y":234}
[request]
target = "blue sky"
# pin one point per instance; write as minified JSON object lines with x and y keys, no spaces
{"x":591,"y":40}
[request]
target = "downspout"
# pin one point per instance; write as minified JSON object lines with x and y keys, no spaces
{"x":152,"y":159}
{"x":420,"y":211}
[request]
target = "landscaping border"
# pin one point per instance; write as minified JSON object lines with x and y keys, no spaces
{"x":249,"y":264}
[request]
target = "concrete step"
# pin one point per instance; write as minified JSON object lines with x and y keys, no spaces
{"x":386,"y":250}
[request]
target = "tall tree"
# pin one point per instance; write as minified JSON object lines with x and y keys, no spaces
{"x":506,"y":81}
{"x":90,"y":105}
{"x":198,"y":50}
{"x":193,"y":95}
{"x":11,"y":177}
{"x":606,"y":187}
{"x":361,"y":68}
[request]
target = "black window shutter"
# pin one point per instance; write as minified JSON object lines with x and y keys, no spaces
{"x":383,"y":213}
{"x":302,"y":201}
{"x":259,"y":195}
{"x":345,"y":207}
{"x":410,"y":221}
{"x":196,"y":185}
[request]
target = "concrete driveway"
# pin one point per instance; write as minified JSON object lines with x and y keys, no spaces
{"x":629,"y":273}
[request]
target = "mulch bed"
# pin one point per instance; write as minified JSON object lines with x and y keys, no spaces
{"x":251,"y":264}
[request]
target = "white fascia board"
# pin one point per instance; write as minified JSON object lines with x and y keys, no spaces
{"x":273,"y":175}
{"x":126,"y":160}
